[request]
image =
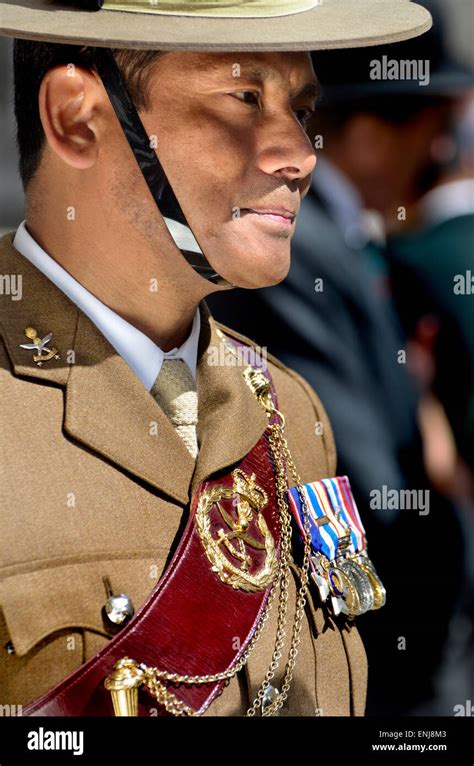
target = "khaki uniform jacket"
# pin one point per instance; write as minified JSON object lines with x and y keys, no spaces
{"x":89,"y":489}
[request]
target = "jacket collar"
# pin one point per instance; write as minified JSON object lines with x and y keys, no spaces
{"x":107,"y":408}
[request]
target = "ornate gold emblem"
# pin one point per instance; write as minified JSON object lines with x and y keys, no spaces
{"x":234,"y":533}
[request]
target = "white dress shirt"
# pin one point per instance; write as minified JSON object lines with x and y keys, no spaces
{"x":140,"y":353}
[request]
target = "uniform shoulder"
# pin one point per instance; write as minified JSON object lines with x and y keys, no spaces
{"x":297,"y":399}
{"x":274,"y":363}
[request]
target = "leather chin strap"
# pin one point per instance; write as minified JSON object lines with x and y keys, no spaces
{"x":151,"y":168}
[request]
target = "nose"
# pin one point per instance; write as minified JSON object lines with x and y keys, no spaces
{"x":286,"y":149}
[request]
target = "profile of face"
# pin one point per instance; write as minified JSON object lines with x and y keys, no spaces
{"x":230,"y":134}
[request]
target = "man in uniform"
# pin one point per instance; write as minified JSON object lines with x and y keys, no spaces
{"x":147,"y":451}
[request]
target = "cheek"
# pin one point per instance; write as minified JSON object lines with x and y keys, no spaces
{"x":202,"y":152}
{"x":208,"y":180}
{"x":212,"y":170}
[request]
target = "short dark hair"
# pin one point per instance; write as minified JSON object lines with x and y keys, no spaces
{"x":31,"y":61}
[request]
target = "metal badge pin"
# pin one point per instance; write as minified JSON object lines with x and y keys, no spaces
{"x":40,"y":345}
{"x":118,"y":609}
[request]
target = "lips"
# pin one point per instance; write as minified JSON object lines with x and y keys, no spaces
{"x":281,"y":212}
{"x":282,"y":216}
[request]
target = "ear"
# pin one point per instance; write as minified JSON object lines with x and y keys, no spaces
{"x":70,"y":100}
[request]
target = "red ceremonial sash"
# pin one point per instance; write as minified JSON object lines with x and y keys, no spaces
{"x":192,"y":623}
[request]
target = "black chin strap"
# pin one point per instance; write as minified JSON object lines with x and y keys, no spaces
{"x":151,"y":167}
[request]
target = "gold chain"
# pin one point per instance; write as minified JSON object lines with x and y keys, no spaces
{"x":284,"y":578}
{"x":282,"y":454}
{"x":154,"y":677}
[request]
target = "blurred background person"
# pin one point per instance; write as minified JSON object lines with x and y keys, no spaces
{"x":334,"y":320}
{"x":431,"y":260}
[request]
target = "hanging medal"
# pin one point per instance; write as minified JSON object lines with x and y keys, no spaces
{"x":331,"y":499}
{"x":345,"y":577}
{"x":339,"y":489}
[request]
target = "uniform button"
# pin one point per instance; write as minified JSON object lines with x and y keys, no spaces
{"x":9,"y":648}
{"x":118,"y":609}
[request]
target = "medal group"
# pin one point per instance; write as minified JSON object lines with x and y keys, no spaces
{"x":344,"y":575}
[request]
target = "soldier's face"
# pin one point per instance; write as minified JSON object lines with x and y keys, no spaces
{"x":231,"y":137}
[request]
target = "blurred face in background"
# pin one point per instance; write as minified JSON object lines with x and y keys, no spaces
{"x":393,"y":163}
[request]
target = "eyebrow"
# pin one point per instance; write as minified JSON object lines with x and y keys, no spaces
{"x":259,"y":74}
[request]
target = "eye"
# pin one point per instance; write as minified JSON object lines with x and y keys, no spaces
{"x":254,"y":96}
{"x":304,"y":115}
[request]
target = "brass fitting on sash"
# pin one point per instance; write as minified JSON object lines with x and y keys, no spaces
{"x":260,"y":385}
{"x":123,"y":683}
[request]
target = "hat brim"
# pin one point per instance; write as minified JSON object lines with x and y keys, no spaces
{"x":333,"y":24}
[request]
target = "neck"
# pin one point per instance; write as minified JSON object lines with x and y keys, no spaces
{"x":143,"y":278}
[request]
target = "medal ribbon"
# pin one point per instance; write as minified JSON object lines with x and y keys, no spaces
{"x":323,"y":539}
{"x":351,"y":507}
{"x":332,"y":500}
{"x":337,"y":502}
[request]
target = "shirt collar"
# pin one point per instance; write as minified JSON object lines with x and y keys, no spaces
{"x":339,"y":193}
{"x":141,"y":354}
{"x":345,"y":206}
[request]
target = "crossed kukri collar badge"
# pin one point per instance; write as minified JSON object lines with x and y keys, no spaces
{"x":43,"y":352}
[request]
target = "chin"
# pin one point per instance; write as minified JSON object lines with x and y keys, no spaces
{"x":253,"y":268}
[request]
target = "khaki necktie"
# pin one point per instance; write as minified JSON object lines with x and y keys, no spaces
{"x":175,"y":391}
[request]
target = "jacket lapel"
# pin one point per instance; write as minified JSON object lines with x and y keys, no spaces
{"x":107,"y":409}
{"x":231,"y":420}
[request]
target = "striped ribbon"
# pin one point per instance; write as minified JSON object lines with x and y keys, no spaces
{"x":330,"y":500}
